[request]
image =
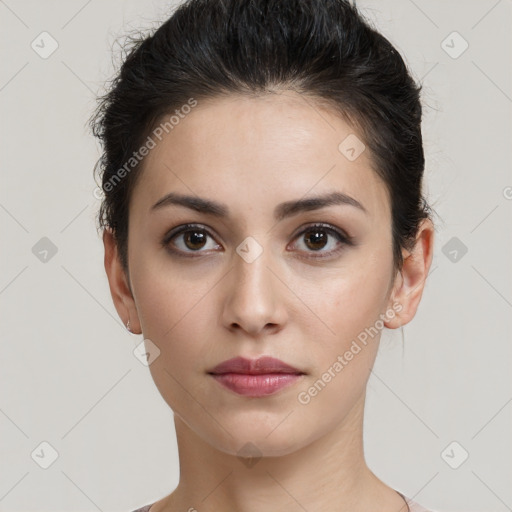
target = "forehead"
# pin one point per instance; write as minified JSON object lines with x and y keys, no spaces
{"x":255,"y":152}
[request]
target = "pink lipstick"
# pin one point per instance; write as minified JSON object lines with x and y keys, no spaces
{"x":255,"y":377}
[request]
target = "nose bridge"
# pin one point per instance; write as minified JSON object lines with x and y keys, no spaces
{"x":252,"y":272}
{"x":252,"y":300}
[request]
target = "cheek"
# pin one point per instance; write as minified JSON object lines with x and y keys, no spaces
{"x":352,"y":299}
{"x":177,"y":313}
{"x":176,"y":316}
{"x":350,"y":305}
{"x":170,"y":300}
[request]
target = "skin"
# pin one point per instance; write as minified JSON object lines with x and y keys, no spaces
{"x":252,"y":153}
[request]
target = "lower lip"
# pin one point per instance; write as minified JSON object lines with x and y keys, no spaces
{"x":256,"y":385}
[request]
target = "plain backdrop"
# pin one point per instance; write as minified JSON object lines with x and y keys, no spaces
{"x":74,"y":398}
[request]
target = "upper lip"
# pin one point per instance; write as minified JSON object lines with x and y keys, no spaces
{"x":262,"y":365}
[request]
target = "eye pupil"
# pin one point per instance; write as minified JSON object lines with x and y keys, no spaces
{"x":195,"y":238}
{"x":316,"y":237}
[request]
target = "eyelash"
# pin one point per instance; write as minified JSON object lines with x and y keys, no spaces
{"x":344,"y":239}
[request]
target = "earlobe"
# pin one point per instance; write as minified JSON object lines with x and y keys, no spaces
{"x":410,"y":282}
{"x":118,"y":283}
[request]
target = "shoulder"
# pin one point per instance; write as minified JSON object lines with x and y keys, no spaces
{"x":413,"y":506}
{"x":416,"y":507}
{"x":143,"y":509}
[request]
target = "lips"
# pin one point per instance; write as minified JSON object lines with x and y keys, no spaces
{"x":256,"y":378}
{"x":260,"y":366}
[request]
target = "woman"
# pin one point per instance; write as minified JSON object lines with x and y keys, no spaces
{"x":263,"y":221}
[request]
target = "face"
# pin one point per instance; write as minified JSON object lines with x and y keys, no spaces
{"x":255,"y":278}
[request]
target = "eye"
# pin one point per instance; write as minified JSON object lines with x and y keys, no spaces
{"x":189,"y":238}
{"x":317,"y":237}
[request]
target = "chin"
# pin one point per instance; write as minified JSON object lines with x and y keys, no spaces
{"x":253,"y":440}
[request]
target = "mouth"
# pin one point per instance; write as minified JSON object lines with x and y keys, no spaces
{"x":256,"y":377}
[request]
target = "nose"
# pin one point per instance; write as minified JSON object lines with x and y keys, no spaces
{"x":253,"y":302}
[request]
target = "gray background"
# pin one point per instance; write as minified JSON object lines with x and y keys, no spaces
{"x":68,"y":373}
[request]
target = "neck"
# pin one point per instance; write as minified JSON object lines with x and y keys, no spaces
{"x":328,"y":474}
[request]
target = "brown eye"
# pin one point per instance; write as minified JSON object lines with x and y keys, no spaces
{"x":194,"y":239}
{"x":315,"y":238}
{"x":188,"y":239}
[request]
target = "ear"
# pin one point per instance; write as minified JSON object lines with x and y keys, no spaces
{"x":119,"y":284}
{"x":410,"y":282}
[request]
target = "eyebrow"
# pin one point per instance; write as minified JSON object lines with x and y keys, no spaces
{"x":282,"y":210}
